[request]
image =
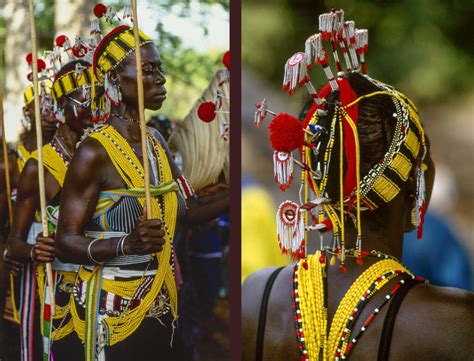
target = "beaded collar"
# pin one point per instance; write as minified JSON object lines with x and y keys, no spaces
{"x":319,"y":340}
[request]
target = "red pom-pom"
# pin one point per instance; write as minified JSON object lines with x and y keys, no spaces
{"x":206,"y":112}
{"x":286,"y":133}
{"x":322,"y":258}
{"x":359,"y":261}
{"x":305,"y":265}
{"x":226,"y":60}
{"x":61,"y":39}
{"x":29,"y":58}
{"x":100,"y":10}
{"x":41,"y":65}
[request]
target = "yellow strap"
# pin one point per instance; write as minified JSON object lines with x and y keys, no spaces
{"x":131,"y":171}
{"x":53,"y":162}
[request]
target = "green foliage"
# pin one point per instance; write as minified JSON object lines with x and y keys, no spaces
{"x":188,"y":71}
{"x":423,"y":47}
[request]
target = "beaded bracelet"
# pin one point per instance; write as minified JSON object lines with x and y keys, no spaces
{"x":89,"y":255}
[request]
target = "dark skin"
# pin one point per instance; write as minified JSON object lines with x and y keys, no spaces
{"x":48,"y":124}
{"x":10,"y":263}
{"x":48,"y":127}
{"x":28,"y":187}
{"x":433,"y":322}
{"x":91,"y":171}
{"x":13,"y":169}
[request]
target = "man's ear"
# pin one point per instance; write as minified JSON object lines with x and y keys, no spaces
{"x":61,"y":102}
{"x":114,"y":77}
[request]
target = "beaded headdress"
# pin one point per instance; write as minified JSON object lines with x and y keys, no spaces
{"x":111,"y":50}
{"x":320,"y":142}
{"x":28,"y":94}
{"x":44,"y":89}
{"x":71,"y":68}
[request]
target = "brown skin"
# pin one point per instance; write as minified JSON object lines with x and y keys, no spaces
{"x":48,"y":127}
{"x":433,"y":323}
{"x":91,"y":171}
{"x":28,"y":188}
{"x":6,"y":262}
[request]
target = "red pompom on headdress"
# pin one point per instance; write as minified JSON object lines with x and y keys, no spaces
{"x":41,"y":65}
{"x":61,"y":39}
{"x":286,"y":133}
{"x":100,"y":10}
{"x":226,"y":59}
{"x":207,"y":112}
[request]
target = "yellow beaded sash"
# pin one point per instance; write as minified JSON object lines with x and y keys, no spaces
{"x":310,"y":294}
{"x":131,"y":171}
{"x":53,"y":163}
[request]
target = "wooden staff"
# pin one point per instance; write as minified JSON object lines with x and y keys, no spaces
{"x":39,"y":144}
{"x":141,"y":110}
{"x":5,"y":157}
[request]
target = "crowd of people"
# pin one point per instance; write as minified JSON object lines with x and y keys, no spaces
{"x":118,"y":273}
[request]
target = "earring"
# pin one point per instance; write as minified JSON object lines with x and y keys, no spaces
{"x":26,"y":122}
{"x":112,"y":91}
{"x":60,"y":115}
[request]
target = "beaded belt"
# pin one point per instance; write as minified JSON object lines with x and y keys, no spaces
{"x":113,"y":305}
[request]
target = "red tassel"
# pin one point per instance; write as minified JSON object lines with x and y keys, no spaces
{"x":359,"y":261}
{"x":327,"y":222}
{"x":342,"y":268}
{"x":419,"y":233}
{"x":305,"y":265}
{"x":322,"y":258}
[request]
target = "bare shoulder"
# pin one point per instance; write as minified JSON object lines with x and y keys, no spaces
{"x":252,"y":290}
{"x":435,"y":303}
{"x":30,"y":169}
{"x":28,"y":182}
{"x":87,"y":165}
{"x":278,"y":324}
{"x":90,"y":151}
{"x":441,"y":318}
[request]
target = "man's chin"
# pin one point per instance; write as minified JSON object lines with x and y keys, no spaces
{"x":156,"y":105}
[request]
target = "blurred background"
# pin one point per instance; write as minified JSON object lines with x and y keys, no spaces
{"x":191,"y":37}
{"x":423,"y":48}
